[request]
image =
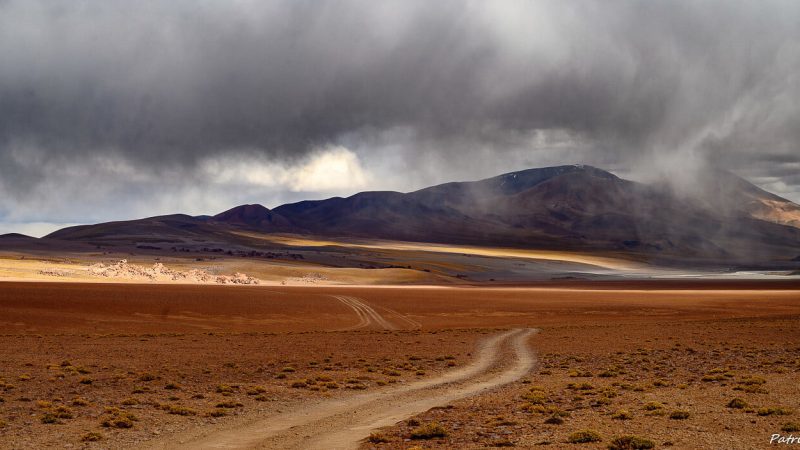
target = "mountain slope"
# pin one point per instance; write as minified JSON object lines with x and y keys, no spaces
{"x":566,"y":207}
{"x":252,"y":216}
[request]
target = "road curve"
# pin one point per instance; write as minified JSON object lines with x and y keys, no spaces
{"x":343,"y":423}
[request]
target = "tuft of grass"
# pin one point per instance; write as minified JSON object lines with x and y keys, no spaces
{"x":791,"y":427}
{"x":147,"y":377}
{"x":49,"y":418}
{"x":79,"y":401}
{"x":653,"y":406}
{"x":737,"y":403}
{"x":181,"y":410}
{"x":429,"y":431}
{"x":622,"y":414}
{"x":535,"y":396}
{"x":679,"y":415}
{"x":584,"y":437}
{"x":377,"y":438}
{"x":255,"y":390}
{"x":92,"y":436}
{"x":217,"y":413}
{"x":117,"y":418}
{"x":86,"y":380}
{"x":224,"y":389}
{"x":554,"y":420}
{"x":172,"y":387}
{"x":631,"y":443}
{"x":774,"y":411}
{"x":62,"y":412}
{"x":229,"y":405}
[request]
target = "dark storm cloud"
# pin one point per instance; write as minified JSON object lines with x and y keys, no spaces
{"x":169,"y":84}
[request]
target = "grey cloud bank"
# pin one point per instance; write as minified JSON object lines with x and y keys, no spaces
{"x":112,"y":109}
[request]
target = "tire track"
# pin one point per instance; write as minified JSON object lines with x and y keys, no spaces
{"x":363,"y":319}
{"x":343,"y":423}
{"x":367,"y":315}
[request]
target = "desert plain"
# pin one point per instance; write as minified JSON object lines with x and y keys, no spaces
{"x":674,"y":363}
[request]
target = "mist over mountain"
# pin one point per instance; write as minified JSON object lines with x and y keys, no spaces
{"x":572,"y":207}
{"x":114,"y":109}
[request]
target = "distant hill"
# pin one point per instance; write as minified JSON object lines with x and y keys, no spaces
{"x":567,"y":207}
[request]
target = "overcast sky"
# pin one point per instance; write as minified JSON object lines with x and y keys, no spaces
{"x":114,"y":109}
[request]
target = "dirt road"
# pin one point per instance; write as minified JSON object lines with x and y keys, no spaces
{"x":343,"y":423}
{"x":368,"y":317}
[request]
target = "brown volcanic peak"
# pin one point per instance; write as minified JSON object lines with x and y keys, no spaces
{"x":252,"y":216}
{"x":565,"y":207}
{"x":169,"y":226}
{"x":732,"y":193}
{"x":15,"y":236}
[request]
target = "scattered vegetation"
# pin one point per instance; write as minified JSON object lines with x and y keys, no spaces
{"x":117,"y":418}
{"x":377,"y":438}
{"x":737,"y":403}
{"x":584,"y":437}
{"x":429,"y":431}
{"x":774,"y":411}
{"x":631,"y":443}
{"x":622,"y":414}
{"x":791,"y":427}
{"x":180,"y":410}
{"x":92,"y":436}
{"x":679,"y":415}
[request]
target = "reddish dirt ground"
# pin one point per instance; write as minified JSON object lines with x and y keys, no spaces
{"x":92,"y":307}
{"x":205,"y":346}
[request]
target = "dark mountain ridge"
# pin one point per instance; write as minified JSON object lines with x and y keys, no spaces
{"x":566,"y":207}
